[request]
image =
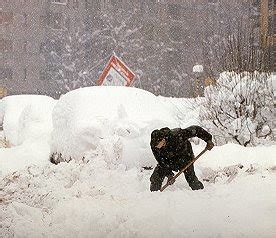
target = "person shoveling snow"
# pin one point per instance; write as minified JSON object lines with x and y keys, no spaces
{"x":173,"y":151}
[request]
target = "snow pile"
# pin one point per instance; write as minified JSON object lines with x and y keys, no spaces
{"x":79,"y":199}
{"x":27,"y":124}
{"x":273,"y":82}
{"x":26,"y":117}
{"x":97,"y":197}
{"x":112,"y":122}
{"x":198,"y":68}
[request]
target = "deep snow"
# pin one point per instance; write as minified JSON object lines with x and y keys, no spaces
{"x":26,"y":117}
{"x":113,"y":121}
{"x":96,"y":197}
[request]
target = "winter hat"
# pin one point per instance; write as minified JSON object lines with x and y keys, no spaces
{"x":158,"y":135}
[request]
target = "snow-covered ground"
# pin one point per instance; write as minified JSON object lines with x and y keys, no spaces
{"x":95,"y":197}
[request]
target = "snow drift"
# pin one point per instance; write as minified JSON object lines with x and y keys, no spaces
{"x":27,"y":126}
{"x":78,"y":199}
{"x":93,"y":197}
{"x":26,"y":117}
{"x":115,"y":122}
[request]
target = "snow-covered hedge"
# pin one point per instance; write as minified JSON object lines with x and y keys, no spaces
{"x":26,"y":117}
{"x":239,"y":108}
{"x":112,"y":122}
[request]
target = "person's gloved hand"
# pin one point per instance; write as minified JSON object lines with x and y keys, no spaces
{"x":171,"y":180}
{"x":209,"y":145}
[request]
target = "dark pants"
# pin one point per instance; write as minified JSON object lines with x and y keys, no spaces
{"x":160,"y":173}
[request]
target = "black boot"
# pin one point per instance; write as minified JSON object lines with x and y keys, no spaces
{"x":196,"y":185}
{"x":191,"y":178}
{"x":157,"y":178}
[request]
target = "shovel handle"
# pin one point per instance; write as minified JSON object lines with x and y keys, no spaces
{"x":183,"y":169}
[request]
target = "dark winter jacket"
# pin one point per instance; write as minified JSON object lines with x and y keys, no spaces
{"x":178,"y":150}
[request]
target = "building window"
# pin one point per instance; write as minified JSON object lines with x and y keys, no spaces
{"x":6,"y":17}
{"x":6,"y":73}
{"x":148,"y":8}
{"x":63,"y":2}
{"x":149,"y":31}
{"x":176,"y":33}
{"x":48,"y":45}
{"x":86,"y":4}
{"x":43,"y":75}
{"x":271,"y":25}
{"x":256,"y":3}
{"x":212,"y":1}
{"x":273,"y":52}
{"x":25,"y":74}
{"x":5,"y":46}
{"x":271,"y":4}
{"x":175,"y":58}
{"x":24,"y":19}
{"x":55,"y":20}
{"x":25,"y":44}
{"x":94,"y":5}
{"x":174,"y":11}
{"x":116,"y":3}
{"x":75,"y":3}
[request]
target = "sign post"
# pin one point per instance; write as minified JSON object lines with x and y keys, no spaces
{"x":116,"y":73}
{"x":3,"y":92}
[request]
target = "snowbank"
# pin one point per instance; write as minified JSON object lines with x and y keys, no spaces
{"x":26,"y":117}
{"x":27,"y":124}
{"x":94,"y":198}
{"x":78,"y":199}
{"x":19,"y":157}
{"x":112,"y":121}
{"x":273,"y":81}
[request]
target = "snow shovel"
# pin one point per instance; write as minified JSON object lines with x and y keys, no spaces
{"x":182,"y":170}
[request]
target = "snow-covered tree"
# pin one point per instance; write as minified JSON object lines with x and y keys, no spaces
{"x":239,"y":108}
{"x":113,"y":32}
{"x":123,"y":32}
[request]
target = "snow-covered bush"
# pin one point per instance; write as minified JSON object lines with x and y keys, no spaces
{"x":110,"y":122}
{"x":20,"y":113}
{"x":239,"y":108}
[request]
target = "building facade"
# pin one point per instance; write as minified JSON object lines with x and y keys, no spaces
{"x":267,"y":16}
{"x":21,"y":33}
{"x":24,"y":27}
{"x":27,"y":25}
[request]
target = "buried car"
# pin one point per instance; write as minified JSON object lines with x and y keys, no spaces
{"x":26,"y":117}
{"x":110,"y":122}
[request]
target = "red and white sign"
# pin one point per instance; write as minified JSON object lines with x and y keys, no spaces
{"x":116,"y":73}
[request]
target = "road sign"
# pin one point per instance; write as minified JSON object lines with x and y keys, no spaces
{"x":116,"y":73}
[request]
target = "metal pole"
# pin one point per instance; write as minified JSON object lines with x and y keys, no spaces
{"x":182,"y":170}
